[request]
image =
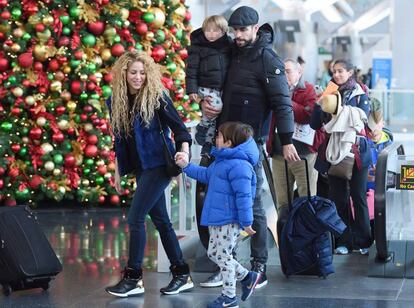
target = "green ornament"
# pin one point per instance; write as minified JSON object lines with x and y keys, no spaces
{"x":117,"y":39}
{"x":123,"y":183}
{"x":91,"y":67}
{"x":12,"y":80}
{"x":95,"y":96}
{"x":74,"y":12}
{"x":77,"y":118}
{"x":195,"y":107}
{"x":16,"y":13}
{"x":171,"y":67}
{"x":23,"y":151}
{"x":6,"y":126}
{"x":89,"y":40}
{"x":80,"y":193}
{"x":66,"y":146}
{"x":160,"y":36}
{"x":58,"y":159}
{"x":99,"y":180}
{"x":66,"y":30}
{"x":179,"y":34}
{"x":13,"y":64}
{"x":118,"y":23}
{"x":177,"y":82}
{"x":89,"y":161}
{"x":65,"y":19}
{"x":106,"y":91}
{"x":138,"y":46}
{"x":86,"y":171}
{"x":24,"y":131}
{"x":186,"y":97}
{"x":50,"y":76}
{"x":23,"y":194}
{"x":83,"y":96}
{"x":108,"y":139}
{"x":74,"y":63}
{"x":180,"y":108}
{"x":26,"y":36}
{"x":148,"y":17}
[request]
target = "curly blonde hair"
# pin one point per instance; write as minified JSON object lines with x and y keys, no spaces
{"x":147,"y":99}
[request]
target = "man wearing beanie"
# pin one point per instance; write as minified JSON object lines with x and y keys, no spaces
{"x":256,"y":85}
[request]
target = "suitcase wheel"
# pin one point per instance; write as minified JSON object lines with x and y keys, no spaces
{"x":7,"y":289}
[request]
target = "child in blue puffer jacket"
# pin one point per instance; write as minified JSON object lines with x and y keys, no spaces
{"x":228,"y":204}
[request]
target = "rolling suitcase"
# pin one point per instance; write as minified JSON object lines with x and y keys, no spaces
{"x":283,"y":216}
{"x":26,"y":258}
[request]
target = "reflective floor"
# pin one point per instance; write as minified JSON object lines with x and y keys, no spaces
{"x":92,"y":246}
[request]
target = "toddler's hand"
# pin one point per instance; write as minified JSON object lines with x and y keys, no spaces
{"x":249,"y":230}
{"x":181,"y":159}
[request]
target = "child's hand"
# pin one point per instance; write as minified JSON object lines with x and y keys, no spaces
{"x":181,"y":159}
{"x":194,"y":97}
{"x":249,"y":230}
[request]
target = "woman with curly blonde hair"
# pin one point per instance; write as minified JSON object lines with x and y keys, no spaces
{"x":138,"y":104}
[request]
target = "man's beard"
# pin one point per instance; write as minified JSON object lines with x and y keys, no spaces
{"x":243,"y":43}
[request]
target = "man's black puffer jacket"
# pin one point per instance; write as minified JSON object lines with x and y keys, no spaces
{"x":255,"y":85}
{"x":207,"y":62}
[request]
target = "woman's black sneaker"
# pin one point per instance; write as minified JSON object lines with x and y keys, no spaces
{"x":131,"y":284}
{"x":181,"y":280}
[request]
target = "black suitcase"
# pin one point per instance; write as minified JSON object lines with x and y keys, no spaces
{"x":26,"y":258}
{"x":283,"y":215}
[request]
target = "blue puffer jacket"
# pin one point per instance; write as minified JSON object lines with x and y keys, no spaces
{"x":304,"y":241}
{"x":231,"y":185}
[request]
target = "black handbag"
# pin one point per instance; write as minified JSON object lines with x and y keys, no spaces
{"x":171,"y":167}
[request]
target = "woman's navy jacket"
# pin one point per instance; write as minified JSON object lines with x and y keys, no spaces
{"x":148,"y":140}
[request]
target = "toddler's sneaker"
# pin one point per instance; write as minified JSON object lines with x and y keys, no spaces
{"x":224,"y":301}
{"x":248,"y":284}
{"x":341,"y":250}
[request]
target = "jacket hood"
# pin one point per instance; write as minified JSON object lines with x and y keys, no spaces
{"x":246,"y":151}
{"x":199,"y":39}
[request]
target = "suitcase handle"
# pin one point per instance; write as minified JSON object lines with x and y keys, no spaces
{"x":287,"y":181}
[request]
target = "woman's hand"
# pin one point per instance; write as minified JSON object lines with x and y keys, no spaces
{"x":249,"y":230}
{"x":182,"y":159}
{"x":117,"y":179}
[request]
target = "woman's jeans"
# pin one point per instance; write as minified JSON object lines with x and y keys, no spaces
{"x":358,"y":234}
{"x":149,"y":198}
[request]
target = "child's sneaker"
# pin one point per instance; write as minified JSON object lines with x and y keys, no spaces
{"x":364,"y":251}
{"x":224,"y":301}
{"x":248,"y":284}
{"x":341,"y":250}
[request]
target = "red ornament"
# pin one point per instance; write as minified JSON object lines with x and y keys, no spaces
{"x":3,"y":3}
{"x":58,"y":137}
{"x":167,"y":82}
{"x":78,"y":54}
{"x":40,"y":27}
{"x":54,"y":65}
{"x":141,"y":28}
{"x":2,"y":170}
{"x":108,"y":78}
{"x":25,"y":59}
{"x":63,"y":41}
{"x":76,"y":87}
{"x":96,"y":28}
{"x":115,"y":199}
{"x":5,"y":14}
{"x":183,"y":54}
{"x":91,"y":150}
{"x":60,"y":110}
{"x":26,"y":83}
{"x":1,"y":183}
{"x":102,"y":169}
{"x":187,"y":16}
{"x":35,"y":133}
{"x":4,"y":64}
{"x":15,"y":147}
{"x":13,"y":172}
{"x":91,"y":86}
{"x":10,"y":202}
{"x":16,"y":111}
{"x":117,"y":50}
{"x":158,"y":53}
{"x":105,"y":153}
{"x":71,"y":130}
{"x":70,"y":160}
{"x":38,"y":66}
{"x":35,"y":181}
{"x":101,"y":199}
{"x":93,"y":139}
{"x":83,"y":117}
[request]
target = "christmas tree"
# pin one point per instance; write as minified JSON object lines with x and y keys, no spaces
{"x":55,"y":60}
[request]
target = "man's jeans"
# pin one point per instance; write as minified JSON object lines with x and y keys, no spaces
{"x":258,"y":244}
{"x":149,"y":198}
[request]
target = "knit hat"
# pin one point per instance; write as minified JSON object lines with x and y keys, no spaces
{"x":243,"y":16}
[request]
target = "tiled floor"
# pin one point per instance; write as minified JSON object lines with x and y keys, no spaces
{"x":92,"y":245}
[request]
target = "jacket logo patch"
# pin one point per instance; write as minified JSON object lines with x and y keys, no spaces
{"x":277,"y":71}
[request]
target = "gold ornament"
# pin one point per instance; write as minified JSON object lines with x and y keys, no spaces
{"x":17,"y":91}
{"x":159,"y":17}
{"x":126,"y":23}
{"x":107,"y":175}
{"x":88,"y":127}
{"x":85,"y":182}
{"x":48,"y":20}
{"x":40,"y":52}
{"x":59,"y":75}
{"x":100,"y":162}
{"x":71,"y":106}
{"x":43,"y":36}
{"x":56,"y":86}
{"x":25,"y":140}
{"x":149,"y":36}
{"x":56,"y":172}
{"x":124,"y":14}
{"x":61,"y":189}
{"x":41,"y":121}
{"x":180,"y":12}
{"x":67,"y":69}
{"x":179,"y":74}
{"x":49,"y":165}
{"x":15,"y":48}
{"x":30,"y":100}
{"x":98,"y":77}
{"x":97,"y":60}
{"x":34,"y":19}
{"x":63,"y":124}
{"x":83,"y":77}
{"x":106,"y":54}
{"x":66,"y":96}
{"x":18,"y":32}
{"x":109,"y":33}
{"x":5,"y":28}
